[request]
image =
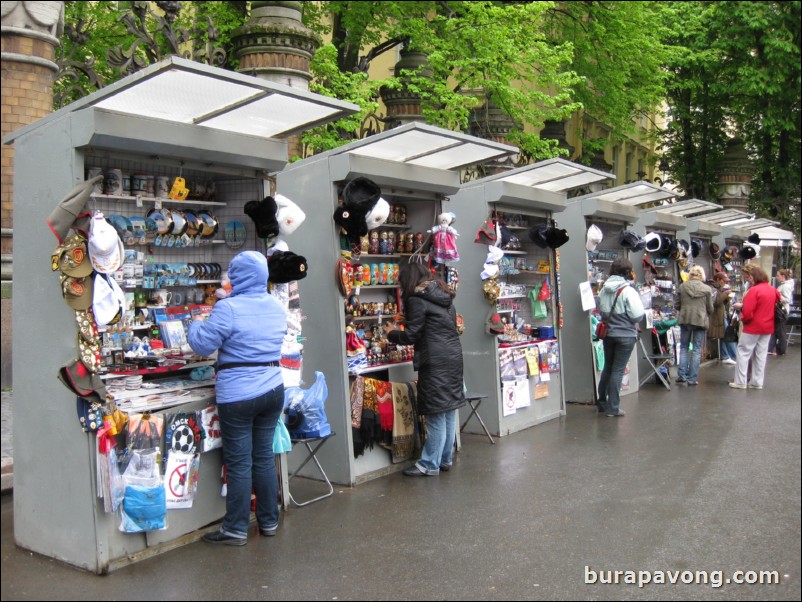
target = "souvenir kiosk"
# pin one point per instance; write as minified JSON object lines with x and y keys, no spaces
{"x":173,"y":119}
{"x":583,"y":270}
{"x":520,"y":393}
{"x":660,"y":275}
{"x":733,"y":238}
{"x":417,"y":167}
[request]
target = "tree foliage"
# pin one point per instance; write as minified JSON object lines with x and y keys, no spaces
{"x":537,"y":61}
{"x":737,"y":74}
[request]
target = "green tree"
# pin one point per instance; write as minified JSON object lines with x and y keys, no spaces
{"x":537,"y":61}
{"x":737,"y":75}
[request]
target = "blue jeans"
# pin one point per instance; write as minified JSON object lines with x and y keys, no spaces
{"x":616,"y":356}
{"x":439,"y":447}
{"x":688,"y":368}
{"x":729,"y":350}
{"x":247,"y":428}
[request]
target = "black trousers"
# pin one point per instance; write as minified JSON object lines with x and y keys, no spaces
{"x":779,"y":340}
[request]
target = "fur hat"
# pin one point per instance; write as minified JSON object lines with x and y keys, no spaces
{"x":630,"y":240}
{"x":654,"y":241}
{"x":263,"y":214}
{"x":537,"y":234}
{"x":289,"y":215}
{"x":754,"y":238}
{"x":747,"y":252}
{"x":285,"y":266}
{"x":352,"y":221}
{"x":556,"y":237}
{"x":715,"y":251}
{"x":378,"y":215}
{"x":362,"y":194}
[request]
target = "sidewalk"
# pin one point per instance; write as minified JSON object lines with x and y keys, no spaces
{"x":692,"y":481}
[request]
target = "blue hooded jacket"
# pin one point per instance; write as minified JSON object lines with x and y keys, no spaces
{"x":247,"y":326}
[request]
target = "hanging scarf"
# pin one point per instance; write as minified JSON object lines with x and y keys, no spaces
{"x":403,"y":446}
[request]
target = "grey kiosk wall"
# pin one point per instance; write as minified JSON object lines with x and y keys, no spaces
{"x":415,"y":164}
{"x":612,"y":210}
{"x":179,"y":114}
{"x":537,"y":192}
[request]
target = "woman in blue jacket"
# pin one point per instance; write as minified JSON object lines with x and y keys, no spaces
{"x":247,"y":329}
{"x":621,"y":307}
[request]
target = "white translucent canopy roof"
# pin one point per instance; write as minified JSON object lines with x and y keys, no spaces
{"x":686,"y":208}
{"x":177,"y":90}
{"x":633,"y":195}
{"x":555,"y":175}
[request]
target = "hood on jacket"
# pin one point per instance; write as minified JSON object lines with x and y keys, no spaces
{"x":695,"y":288}
{"x":431,"y":291}
{"x":248,"y":273}
{"x":613,"y":283}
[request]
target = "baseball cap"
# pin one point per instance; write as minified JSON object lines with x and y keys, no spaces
{"x":106,"y":250}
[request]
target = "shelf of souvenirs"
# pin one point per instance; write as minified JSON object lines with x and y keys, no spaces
{"x":379,"y":367}
{"x":375,"y":286}
{"x":379,"y":317}
{"x":515,"y":344}
{"x":171,"y":364}
{"x":153,"y":396}
{"x":150,"y":199}
{"x":515,"y":253}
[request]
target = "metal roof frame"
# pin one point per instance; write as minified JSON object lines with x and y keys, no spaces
{"x":632,"y":194}
{"x":180,"y":91}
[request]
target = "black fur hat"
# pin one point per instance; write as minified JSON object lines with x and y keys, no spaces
{"x":352,"y":221}
{"x":556,"y":237}
{"x":361,"y":194}
{"x":285,"y":266}
{"x":263,"y":214}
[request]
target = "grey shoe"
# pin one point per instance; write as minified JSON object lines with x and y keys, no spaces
{"x":221,"y":538}
{"x":618,"y":415}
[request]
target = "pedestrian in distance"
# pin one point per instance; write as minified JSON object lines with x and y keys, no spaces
{"x":785,"y":285}
{"x":719,"y":319}
{"x":430,"y":324}
{"x":757,"y":317}
{"x":695,"y":306}
{"x":247,"y":329}
{"x":621,"y":308}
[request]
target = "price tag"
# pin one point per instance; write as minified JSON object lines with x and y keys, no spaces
{"x":139,"y":201}
{"x":158,"y":203}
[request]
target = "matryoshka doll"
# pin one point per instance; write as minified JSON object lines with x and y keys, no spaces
{"x":400,"y":243}
{"x":374,"y":243}
{"x":390,"y":243}
{"x":410,"y":246}
{"x":383,"y":243}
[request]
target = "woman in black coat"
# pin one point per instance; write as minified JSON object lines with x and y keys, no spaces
{"x":431,"y":326}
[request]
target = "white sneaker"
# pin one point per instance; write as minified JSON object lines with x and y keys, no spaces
{"x":751,"y":386}
{"x":729,"y":361}
{"x":737,"y":386}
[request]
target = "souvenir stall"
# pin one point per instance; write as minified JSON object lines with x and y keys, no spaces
{"x":141,"y":189}
{"x":661,"y":270}
{"x":373,"y":205}
{"x":511,"y":293}
{"x":597,"y":222}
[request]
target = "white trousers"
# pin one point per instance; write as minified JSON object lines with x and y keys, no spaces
{"x":752,"y":347}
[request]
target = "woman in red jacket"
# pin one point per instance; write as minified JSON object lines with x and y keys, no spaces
{"x":757,"y":317}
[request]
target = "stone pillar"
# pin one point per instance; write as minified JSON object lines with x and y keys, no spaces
{"x":735,"y":176}
{"x":275,"y":45}
{"x":402,"y":105}
{"x":30,"y":33}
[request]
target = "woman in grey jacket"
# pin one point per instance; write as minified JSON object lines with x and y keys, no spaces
{"x":247,"y":328}
{"x":431,"y":326}
{"x":695,"y":306}
{"x":621,"y":307}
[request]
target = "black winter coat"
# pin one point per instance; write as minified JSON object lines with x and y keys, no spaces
{"x":431,"y":327}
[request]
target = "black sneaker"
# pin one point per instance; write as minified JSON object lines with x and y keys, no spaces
{"x":445,"y":467}
{"x":220,"y":538}
{"x":268,"y":532}
{"x":414,"y":472}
